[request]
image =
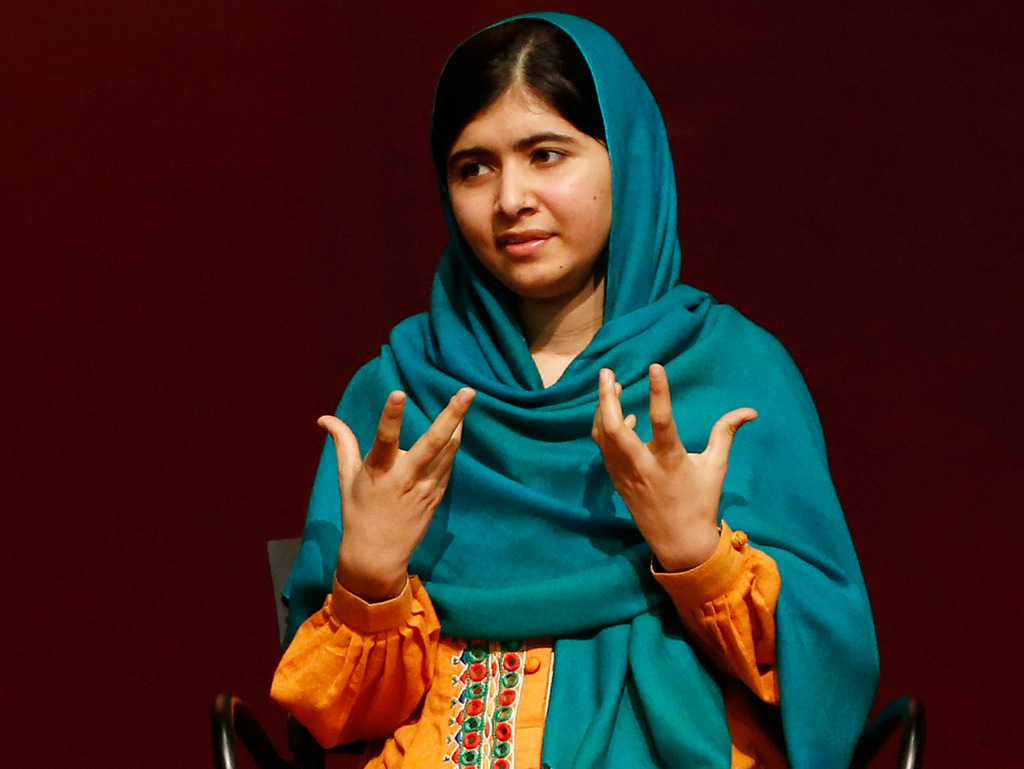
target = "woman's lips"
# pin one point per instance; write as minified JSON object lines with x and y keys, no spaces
{"x":523,"y":244}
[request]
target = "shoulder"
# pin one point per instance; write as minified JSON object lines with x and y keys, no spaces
{"x":756,"y":364}
{"x":749,"y":347}
{"x":364,"y":396}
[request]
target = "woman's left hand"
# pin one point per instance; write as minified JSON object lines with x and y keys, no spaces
{"x":672,"y":494}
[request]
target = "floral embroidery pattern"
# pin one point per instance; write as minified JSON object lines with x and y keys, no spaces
{"x":489,"y":681}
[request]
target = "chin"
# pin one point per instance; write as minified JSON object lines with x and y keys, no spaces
{"x":547,"y":291}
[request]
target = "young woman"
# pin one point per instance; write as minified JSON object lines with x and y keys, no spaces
{"x":547,"y":455}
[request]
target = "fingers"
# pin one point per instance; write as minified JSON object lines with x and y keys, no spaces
{"x":437,"y":437}
{"x":609,"y":422}
{"x":346,"y":446}
{"x":720,"y":440}
{"x":609,"y":407}
{"x":384,"y":451}
{"x":664,"y":436}
{"x":607,"y":411}
{"x":441,"y":466}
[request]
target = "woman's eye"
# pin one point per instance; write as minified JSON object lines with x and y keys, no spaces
{"x":547,"y":157}
{"x":471,"y":170}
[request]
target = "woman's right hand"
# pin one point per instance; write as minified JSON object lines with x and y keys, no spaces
{"x":388,"y":499}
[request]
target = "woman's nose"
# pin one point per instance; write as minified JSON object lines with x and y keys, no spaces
{"x":515,"y":194}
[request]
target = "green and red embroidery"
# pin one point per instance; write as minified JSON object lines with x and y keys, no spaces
{"x":489,"y":682}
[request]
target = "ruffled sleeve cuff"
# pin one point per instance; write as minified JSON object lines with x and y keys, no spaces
{"x":367,"y":618}
{"x":715,"y":577}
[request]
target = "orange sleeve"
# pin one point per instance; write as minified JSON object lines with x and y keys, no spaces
{"x":358,"y":671}
{"x":727,"y":605}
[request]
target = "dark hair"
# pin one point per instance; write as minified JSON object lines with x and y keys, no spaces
{"x":530,"y":52}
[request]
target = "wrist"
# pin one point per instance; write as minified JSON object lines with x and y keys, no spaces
{"x":688,"y":553}
{"x":374,"y":580}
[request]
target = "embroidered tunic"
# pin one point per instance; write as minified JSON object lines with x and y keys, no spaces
{"x":383,"y":672}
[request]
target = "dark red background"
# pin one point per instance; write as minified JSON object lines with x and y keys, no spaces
{"x":212,"y":212}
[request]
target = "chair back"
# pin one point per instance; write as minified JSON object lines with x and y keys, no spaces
{"x":281,"y":554}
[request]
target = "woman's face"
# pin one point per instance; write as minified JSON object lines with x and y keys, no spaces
{"x":532,"y":195}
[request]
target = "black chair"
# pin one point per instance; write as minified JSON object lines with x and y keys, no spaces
{"x":232,"y":723}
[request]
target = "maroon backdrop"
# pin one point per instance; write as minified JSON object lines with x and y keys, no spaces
{"x":212,"y":212}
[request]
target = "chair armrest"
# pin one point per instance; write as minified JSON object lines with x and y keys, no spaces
{"x":231,"y":721}
{"x":905,"y":713}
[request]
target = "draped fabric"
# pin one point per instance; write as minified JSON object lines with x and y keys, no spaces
{"x":531,"y":539}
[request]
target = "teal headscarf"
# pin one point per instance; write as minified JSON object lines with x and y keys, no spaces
{"x":531,"y":539}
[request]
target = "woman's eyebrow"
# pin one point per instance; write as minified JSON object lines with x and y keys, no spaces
{"x":469,"y":152}
{"x":519,"y":146}
{"x":547,"y":136}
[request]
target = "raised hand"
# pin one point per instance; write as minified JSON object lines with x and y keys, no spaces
{"x":389,"y":497}
{"x":672,"y":494}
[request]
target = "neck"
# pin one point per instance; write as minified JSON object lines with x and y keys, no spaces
{"x":557,"y":331}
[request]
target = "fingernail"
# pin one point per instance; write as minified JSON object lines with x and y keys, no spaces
{"x":466,"y":395}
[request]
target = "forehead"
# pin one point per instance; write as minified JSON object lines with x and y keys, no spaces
{"x":517,"y":113}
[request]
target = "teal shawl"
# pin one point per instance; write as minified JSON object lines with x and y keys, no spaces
{"x":531,"y":539}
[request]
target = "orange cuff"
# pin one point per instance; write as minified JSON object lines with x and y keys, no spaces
{"x":715,"y":577}
{"x":366,"y":618}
